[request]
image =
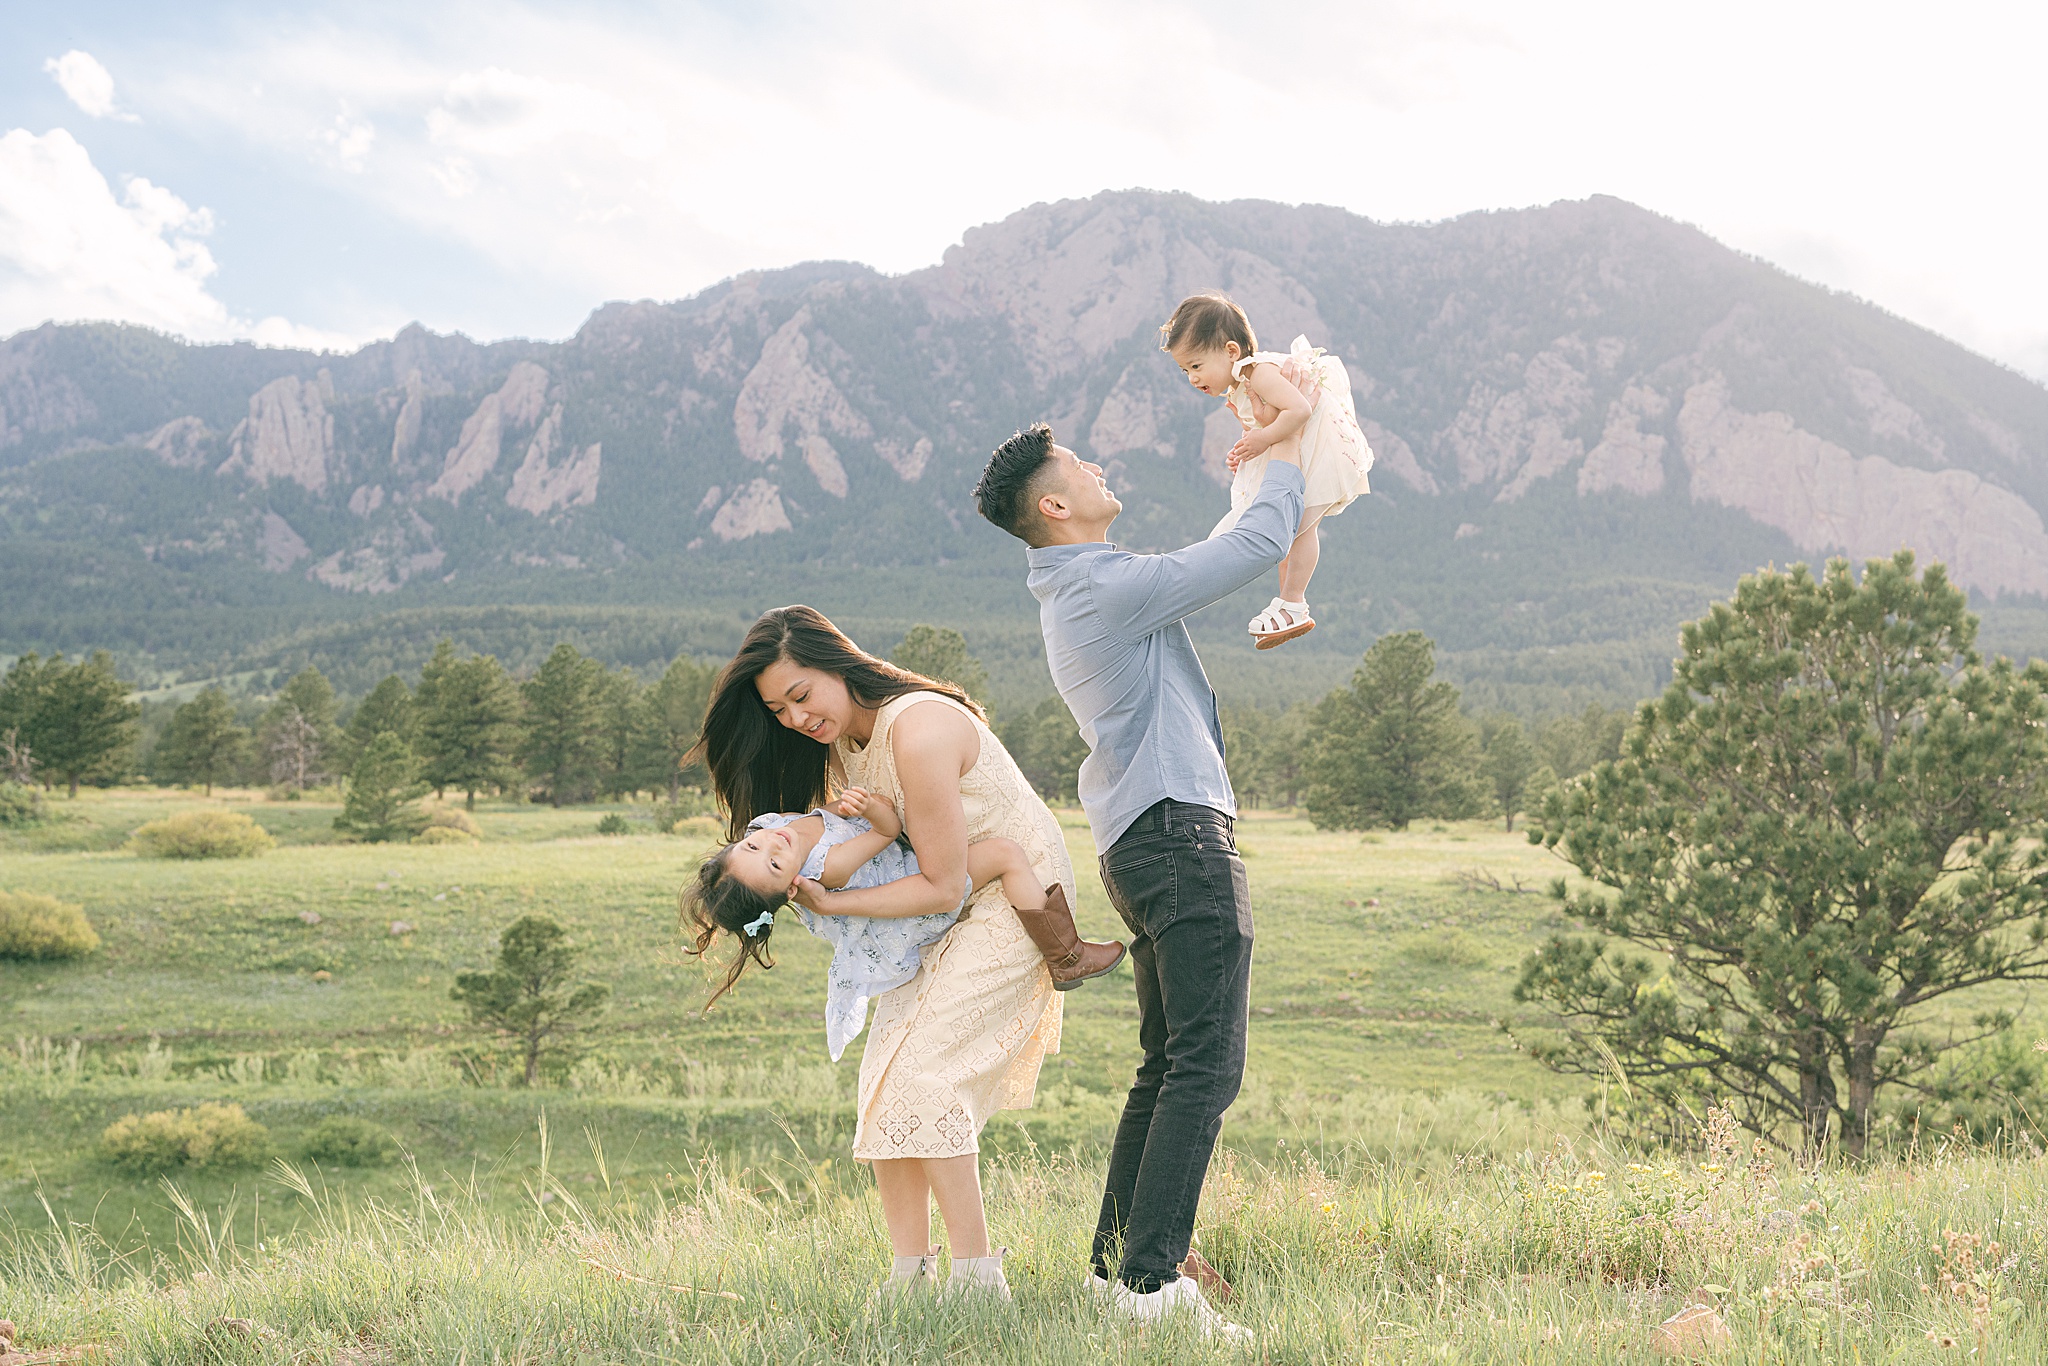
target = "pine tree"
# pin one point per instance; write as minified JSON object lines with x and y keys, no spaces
{"x":529,"y":995}
{"x":21,"y":696}
{"x":389,"y":707}
{"x":84,"y":724}
{"x":425,"y":700}
{"x":468,"y":724}
{"x":1048,"y":749}
{"x":1393,"y":745}
{"x":203,"y":743}
{"x":941,"y":652}
{"x":382,"y":790}
{"x":1507,"y":764}
{"x":298,"y":731}
{"x":563,"y":744}
{"x":1832,"y":821}
{"x":674,"y":719}
{"x":622,"y":722}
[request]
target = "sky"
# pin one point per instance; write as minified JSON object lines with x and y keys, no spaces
{"x":324,"y":173}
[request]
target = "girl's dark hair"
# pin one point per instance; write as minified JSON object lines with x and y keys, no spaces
{"x":1205,"y":322}
{"x":719,"y":901}
{"x":757,"y":764}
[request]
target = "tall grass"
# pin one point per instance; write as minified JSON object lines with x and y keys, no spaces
{"x":1568,"y":1253}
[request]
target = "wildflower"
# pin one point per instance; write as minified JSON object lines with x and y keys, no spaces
{"x":1710,"y":1167}
{"x":1327,"y":1207}
{"x":1596,"y":1176}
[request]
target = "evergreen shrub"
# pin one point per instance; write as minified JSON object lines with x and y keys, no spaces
{"x":33,"y":926}
{"x":211,"y":1136}
{"x":346,"y":1141}
{"x":20,"y":806}
{"x":201,"y":834}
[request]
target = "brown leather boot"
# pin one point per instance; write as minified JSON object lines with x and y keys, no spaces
{"x":1072,"y":959}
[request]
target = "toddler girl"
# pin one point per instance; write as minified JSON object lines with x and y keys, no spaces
{"x":852,"y":845}
{"x":1301,"y":396}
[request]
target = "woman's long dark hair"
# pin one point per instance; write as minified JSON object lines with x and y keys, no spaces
{"x":757,"y":764}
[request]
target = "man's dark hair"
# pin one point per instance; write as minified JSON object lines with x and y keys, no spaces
{"x":1008,"y":492}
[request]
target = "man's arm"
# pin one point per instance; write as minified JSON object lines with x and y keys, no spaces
{"x":1139,"y":594}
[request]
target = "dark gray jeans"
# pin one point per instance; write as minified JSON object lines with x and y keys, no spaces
{"x":1178,"y":883}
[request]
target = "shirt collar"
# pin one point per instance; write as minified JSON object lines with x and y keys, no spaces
{"x":1053,"y":556}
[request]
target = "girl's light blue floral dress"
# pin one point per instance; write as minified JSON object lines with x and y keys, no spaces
{"x":870,"y":954}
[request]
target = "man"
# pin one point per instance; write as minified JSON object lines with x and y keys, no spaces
{"x":1159,"y":800}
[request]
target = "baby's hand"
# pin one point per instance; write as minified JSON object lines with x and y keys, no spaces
{"x":873,"y":807}
{"x":1252,"y":444}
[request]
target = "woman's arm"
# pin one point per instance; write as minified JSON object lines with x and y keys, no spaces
{"x":933,"y":746}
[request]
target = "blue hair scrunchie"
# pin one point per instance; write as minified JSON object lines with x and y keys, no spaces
{"x":762,"y":922}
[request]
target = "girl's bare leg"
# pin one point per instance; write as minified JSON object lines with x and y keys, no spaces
{"x":906,"y":1204}
{"x":955,"y":1183}
{"x":997,"y":857}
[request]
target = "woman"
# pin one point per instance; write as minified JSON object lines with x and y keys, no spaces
{"x":801,"y":710}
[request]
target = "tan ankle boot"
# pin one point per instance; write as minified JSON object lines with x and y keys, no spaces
{"x":1072,"y":959}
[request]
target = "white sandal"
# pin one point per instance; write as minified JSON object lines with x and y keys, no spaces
{"x":1281,"y":622}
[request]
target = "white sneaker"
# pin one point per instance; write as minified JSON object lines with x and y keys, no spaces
{"x":1101,"y":1289}
{"x":1179,"y":1297}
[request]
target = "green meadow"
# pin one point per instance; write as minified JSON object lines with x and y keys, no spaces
{"x":1399,"y":1181}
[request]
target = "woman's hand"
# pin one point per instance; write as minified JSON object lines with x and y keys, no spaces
{"x":811,"y":894}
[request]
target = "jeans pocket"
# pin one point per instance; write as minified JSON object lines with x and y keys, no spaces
{"x":1141,"y":882}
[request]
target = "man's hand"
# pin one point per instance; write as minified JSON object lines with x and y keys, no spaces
{"x":873,"y":807}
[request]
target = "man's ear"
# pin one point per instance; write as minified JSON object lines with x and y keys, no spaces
{"x":1053,"y":506}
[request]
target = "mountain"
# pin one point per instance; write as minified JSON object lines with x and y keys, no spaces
{"x":1589,"y":421}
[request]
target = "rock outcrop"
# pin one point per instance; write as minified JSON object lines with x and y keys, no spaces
{"x":183,"y":443}
{"x":755,"y":510}
{"x":288,"y":434}
{"x":784,"y":390}
{"x":541,"y":484}
{"x":514,"y":407}
{"x":1829,"y":500}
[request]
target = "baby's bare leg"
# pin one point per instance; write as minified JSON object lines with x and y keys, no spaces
{"x":1300,"y":565}
{"x":997,"y":857}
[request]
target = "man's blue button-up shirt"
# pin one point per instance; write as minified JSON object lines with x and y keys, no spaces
{"x":1125,"y":665}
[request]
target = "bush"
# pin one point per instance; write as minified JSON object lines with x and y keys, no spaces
{"x":443,"y":834}
{"x":20,"y":805}
{"x":211,"y":1136}
{"x":345,"y":1141}
{"x":34,"y":926}
{"x":614,"y":824}
{"x":453,"y":818}
{"x":201,"y":834}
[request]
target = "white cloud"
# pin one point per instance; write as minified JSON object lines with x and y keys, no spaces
{"x":87,"y":84}
{"x":349,"y":138}
{"x":71,"y":251}
{"x":609,"y":151}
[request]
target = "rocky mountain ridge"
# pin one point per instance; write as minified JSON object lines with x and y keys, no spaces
{"x":1623,"y":366}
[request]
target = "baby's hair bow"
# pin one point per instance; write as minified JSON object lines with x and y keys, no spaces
{"x":762,"y":922}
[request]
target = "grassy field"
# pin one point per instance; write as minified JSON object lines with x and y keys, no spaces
{"x":1402,"y":1183}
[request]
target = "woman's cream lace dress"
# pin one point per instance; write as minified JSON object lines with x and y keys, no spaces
{"x":965,"y":1037}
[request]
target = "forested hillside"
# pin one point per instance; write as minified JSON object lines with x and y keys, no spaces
{"x":1589,"y":421}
